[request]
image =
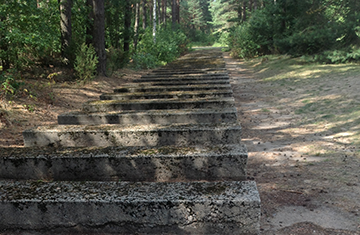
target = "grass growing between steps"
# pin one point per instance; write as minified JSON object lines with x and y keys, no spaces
{"x":324,"y":98}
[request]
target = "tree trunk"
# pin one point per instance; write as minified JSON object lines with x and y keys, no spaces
{"x":163,"y":11}
{"x":144,"y":14}
{"x":136,"y":24}
{"x":255,"y":5}
{"x":151,"y":14}
{"x":158,"y":13}
{"x":65,"y":27}
{"x":244,"y":11}
{"x":239,"y":12}
{"x":175,"y":13}
{"x":5,"y":61}
{"x":90,"y":27}
{"x":127,"y":25}
{"x":99,"y":35}
{"x":154,"y":21}
{"x":178,"y":11}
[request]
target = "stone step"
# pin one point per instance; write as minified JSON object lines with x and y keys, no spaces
{"x":164,"y":164}
{"x":192,"y":63}
{"x":193,"y":76}
{"x":181,"y":82}
{"x":186,"y":70}
{"x":133,"y":135}
{"x":40,"y":207}
{"x":194,"y":57}
{"x":182,"y":71}
{"x":167,"y":95}
{"x":189,"y":79}
{"x":199,"y":103}
{"x":189,"y":64}
{"x":144,"y":87}
{"x":164,"y":117}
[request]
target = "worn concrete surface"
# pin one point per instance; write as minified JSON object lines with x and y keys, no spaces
{"x":184,"y":86}
{"x":216,"y":163}
{"x":129,"y":208}
{"x":199,"y":103}
{"x":167,"y":95}
{"x":163,"y":117}
{"x":133,"y":135}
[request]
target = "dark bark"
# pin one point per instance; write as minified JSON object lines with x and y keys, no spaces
{"x":90,"y":26}
{"x":163,"y":15}
{"x":244,"y":11}
{"x":99,"y":35}
{"x":175,"y":13}
{"x":127,"y":25}
{"x":65,"y":28}
{"x":239,"y":12}
{"x":5,"y":62}
{"x":178,"y":11}
{"x":136,"y":24}
{"x":158,"y":13}
{"x":144,"y":14}
{"x":151,"y":13}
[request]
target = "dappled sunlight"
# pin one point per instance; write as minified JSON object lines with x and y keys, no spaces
{"x":292,"y":70}
{"x":311,"y":112}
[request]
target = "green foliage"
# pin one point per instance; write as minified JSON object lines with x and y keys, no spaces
{"x":115,"y":59}
{"x":223,"y":13}
{"x":27,"y":33}
{"x":254,"y":37}
{"x":169,"y":45}
{"x":241,"y":43}
{"x":144,"y":61}
{"x":86,"y":63}
{"x":29,"y":107}
{"x":321,"y":27}
{"x":310,"y":41}
{"x":336,"y":56}
{"x":8,"y":83}
{"x":200,"y":38}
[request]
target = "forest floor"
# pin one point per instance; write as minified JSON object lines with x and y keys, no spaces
{"x":301,"y":124}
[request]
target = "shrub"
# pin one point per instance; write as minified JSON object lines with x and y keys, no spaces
{"x":338,"y":56}
{"x":241,"y":43}
{"x":6,"y":86}
{"x":144,"y":61}
{"x":86,"y":62}
{"x":312,"y":40}
{"x":8,"y":82}
{"x":115,"y":59}
{"x":168,"y":46}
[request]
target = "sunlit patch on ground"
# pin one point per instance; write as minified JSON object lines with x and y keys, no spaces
{"x":301,"y":125}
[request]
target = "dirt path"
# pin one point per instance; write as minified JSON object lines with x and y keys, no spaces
{"x":301,"y":193}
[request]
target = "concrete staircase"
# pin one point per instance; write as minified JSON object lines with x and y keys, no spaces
{"x":162,"y":155}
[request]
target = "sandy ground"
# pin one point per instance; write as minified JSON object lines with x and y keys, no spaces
{"x":301,"y":193}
